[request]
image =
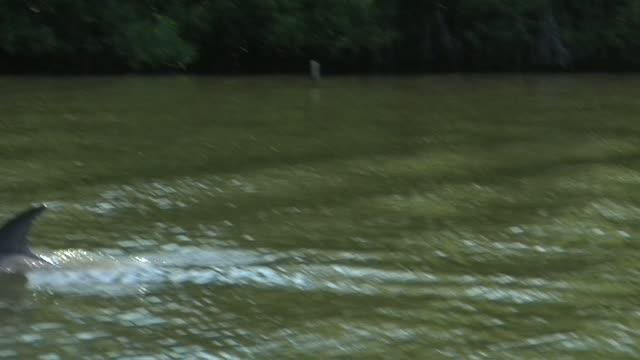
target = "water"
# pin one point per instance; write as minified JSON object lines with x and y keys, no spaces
{"x":233,"y":218}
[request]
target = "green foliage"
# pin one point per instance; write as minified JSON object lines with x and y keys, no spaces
{"x":22,"y":34}
{"x":281,"y":35}
{"x":153,"y":43}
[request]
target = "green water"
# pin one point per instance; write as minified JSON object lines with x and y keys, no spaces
{"x":362,"y":218}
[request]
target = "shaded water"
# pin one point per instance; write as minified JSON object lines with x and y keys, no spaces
{"x":223,"y":218}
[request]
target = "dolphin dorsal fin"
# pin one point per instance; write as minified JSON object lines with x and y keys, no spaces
{"x":14,"y":235}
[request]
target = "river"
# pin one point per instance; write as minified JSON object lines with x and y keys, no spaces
{"x":452,"y":216}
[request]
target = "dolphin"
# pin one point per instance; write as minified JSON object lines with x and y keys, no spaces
{"x":15,"y":254}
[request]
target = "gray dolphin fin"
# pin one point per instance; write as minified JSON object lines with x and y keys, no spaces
{"x":14,"y":235}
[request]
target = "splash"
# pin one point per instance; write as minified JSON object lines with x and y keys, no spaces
{"x":87,"y":273}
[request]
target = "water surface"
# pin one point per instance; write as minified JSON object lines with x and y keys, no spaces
{"x":268,"y":218}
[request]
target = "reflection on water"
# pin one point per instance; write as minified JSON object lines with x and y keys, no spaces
{"x":219,"y":218}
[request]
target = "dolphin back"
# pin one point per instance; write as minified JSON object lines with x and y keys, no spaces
{"x":14,"y":235}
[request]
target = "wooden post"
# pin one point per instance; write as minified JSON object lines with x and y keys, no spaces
{"x":314,"y":68}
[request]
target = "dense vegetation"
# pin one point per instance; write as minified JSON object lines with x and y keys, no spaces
{"x":345,"y":35}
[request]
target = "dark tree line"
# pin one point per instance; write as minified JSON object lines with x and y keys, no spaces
{"x":344,"y":35}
